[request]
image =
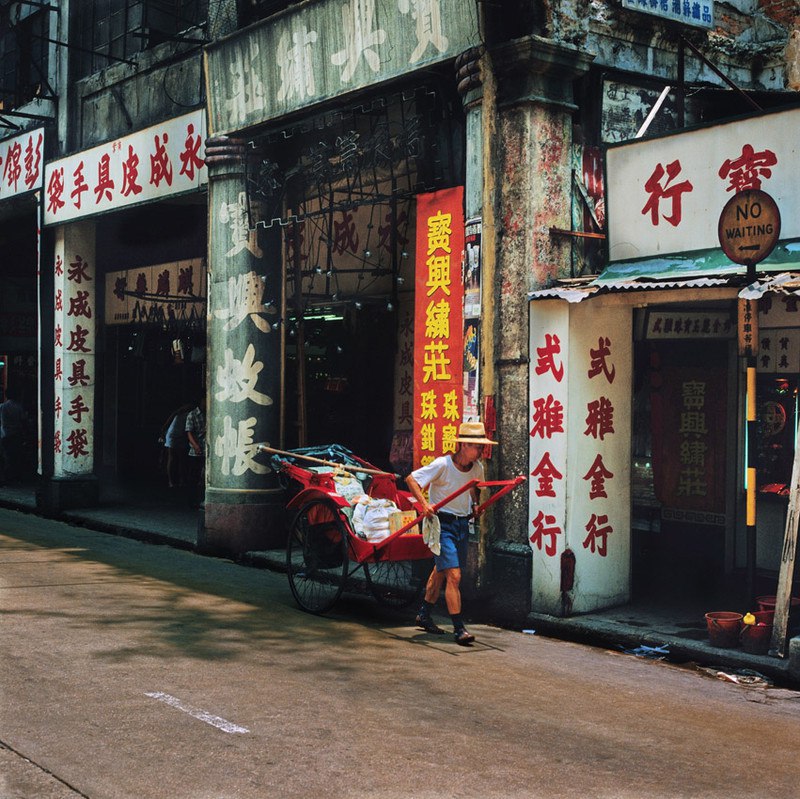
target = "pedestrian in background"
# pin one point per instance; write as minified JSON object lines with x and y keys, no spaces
{"x":13,"y":421}
{"x":176,"y":446}
{"x":196,"y":433}
{"x":442,"y":477}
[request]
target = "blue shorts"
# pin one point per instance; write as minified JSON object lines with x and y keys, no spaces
{"x":454,"y":540}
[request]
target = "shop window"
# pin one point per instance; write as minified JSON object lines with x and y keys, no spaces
{"x":108,"y":31}
{"x":23,"y":57}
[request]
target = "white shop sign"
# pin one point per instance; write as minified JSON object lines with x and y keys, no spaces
{"x":699,"y":13}
{"x":665,"y":195}
{"x":21,"y":166}
{"x":580,"y":384}
{"x":159,"y":161}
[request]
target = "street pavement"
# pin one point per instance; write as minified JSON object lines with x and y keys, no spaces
{"x":136,"y":670}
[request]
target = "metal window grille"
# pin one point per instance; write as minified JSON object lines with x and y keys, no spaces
{"x":109,"y":30}
{"x":23,"y":60}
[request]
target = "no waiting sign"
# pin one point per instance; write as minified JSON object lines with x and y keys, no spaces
{"x":749,"y":227}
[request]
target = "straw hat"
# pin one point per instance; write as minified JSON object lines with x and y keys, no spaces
{"x":473,"y":433}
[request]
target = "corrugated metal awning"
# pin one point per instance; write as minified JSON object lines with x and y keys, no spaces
{"x":700,"y":269}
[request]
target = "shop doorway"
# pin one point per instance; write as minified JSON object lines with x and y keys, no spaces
{"x":681,"y":467}
{"x":157,"y":371}
{"x":348,"y":391}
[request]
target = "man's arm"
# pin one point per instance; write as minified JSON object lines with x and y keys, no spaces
{"x":414,"y":487}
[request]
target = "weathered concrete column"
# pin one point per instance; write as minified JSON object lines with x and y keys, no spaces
{"x":530,"y":190}
{"x":72,"y":482}
{"x":243,"y":504}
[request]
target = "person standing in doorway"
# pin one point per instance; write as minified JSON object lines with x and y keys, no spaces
{"x":196,"y":433}
{"x":13,"y":421}
{"x":176,"y":444}
{"x":442,"y":477}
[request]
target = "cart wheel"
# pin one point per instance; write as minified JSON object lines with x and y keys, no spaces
{"x":316,"y":556}
{"x":395,"y":583}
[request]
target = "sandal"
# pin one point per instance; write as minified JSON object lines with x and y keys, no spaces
{"x":463,"y":637}
{"x":428,"y":624}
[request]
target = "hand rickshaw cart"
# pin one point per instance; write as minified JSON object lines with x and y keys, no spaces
{"x":323,"y":551}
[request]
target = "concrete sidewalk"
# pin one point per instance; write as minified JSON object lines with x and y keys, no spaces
{"x":156,"y":515}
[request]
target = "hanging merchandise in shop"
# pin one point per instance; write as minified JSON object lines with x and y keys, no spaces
{"x":166,"y":294}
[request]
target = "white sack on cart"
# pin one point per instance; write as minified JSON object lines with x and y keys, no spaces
{"x":371,"y":517}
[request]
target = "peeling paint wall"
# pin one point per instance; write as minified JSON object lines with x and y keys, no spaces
{"x":166,"y":82}
{"x":748,"y":42}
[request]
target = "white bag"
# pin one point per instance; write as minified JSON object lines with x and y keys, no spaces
{"x":371,"y":518}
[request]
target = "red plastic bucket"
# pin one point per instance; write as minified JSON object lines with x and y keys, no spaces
{"x":723,"y":628}
{"x":768,"y":602}
{"x":755,"y":638}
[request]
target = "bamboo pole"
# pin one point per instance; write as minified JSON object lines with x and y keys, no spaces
{"x":343,"y":467}
{"x":784,"y":594}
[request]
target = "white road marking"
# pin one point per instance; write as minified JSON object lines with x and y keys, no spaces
{"x":202,"y":715}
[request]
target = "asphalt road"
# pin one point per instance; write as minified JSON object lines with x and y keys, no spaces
{"x":133,"y":670}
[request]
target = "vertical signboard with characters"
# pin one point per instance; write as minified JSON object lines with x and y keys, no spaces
{"x":438,"y":325}
{"x":580,"y":383}
{"x":549,"y":402}
{"x":601,"y":358}
{"x":74,"y":350}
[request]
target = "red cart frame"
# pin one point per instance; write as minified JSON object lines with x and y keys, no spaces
{"x":323,"y":551}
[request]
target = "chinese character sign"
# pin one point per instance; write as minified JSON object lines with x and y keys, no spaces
{"x":547,"y":423}
{"x":666,"y":195}
{"x":579,"y":426}
{"x":162,"y":294}
{"x":699,"y":13}
{"x":325,"y":49}
{"x":75,"y":315}
{"x":438,"y":324}
{"x":21,"y":164}
{"x":689,"y":413}
{"x":163,"y":160}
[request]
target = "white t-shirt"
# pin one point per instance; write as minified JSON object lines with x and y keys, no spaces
{"x":443,"y":477}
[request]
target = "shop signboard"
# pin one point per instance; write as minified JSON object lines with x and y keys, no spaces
{"x":74,"y":350}
{"x":21,"y":165}
{"x":317,"y":51}
{"x":580,"y":383}
{"x":689,"y":412}
{"x":438,"y":324}
{"x":160,"y":161}
{"x":665,"y":195}
{"x":161,"y":294}
{"x":699,"y":13}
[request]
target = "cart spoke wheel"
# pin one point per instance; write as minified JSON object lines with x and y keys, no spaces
{"x":395,"y":583}
{"x":316,"y":556}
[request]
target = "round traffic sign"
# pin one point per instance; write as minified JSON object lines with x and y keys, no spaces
{"x":749,"y":226}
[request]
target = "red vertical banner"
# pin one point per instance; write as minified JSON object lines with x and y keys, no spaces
{"x":438,"y":323}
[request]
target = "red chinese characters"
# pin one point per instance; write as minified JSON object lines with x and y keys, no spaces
{"x":74,"y":359}
{"x":79,"y":185}
{"x":660,"y":187}
{"x":599,"y":425}
{"x":190,"y":158}
{"x":745,"y":171}
{"x":548,"y":450}
{"x":160,"y":162}
{"x":143,"y":166}
{"x":55,"y":190}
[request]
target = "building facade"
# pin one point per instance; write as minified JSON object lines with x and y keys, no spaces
{"x":244,"y":202}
